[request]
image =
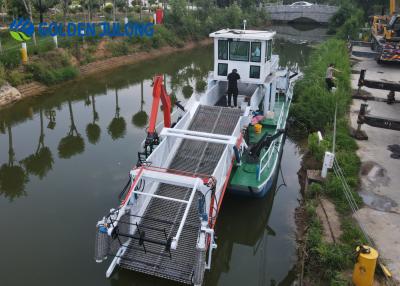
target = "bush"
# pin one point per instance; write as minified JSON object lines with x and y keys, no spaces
{"x":53,"y":68}
{"x":43,"y":45}
{"x":118,"y":48}
{"x":201,"y":86}
{"x":314,"y":105}
{"x":317,"y":149}
{"x":2,"y":75}
{"x":11,"y":59}
{"x":16,"y":78}
{"x":313,"y":190}
{"x":347,"y":21}
{"x":167,"y":35}
{"x":187,"y":91}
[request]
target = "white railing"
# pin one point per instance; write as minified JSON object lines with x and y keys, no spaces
{"x":221,"y":171}
{"x":262,"y":166}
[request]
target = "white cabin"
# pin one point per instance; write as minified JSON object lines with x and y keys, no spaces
{"x":248,"y":51}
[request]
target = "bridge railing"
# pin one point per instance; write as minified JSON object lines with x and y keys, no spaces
{"x":314,"y":7}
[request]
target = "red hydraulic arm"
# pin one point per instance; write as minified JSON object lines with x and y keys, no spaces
{"x":159,"y":92}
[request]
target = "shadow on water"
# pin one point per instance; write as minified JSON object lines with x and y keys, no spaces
{"x":13,"y":177}
{"x":64,"y":195}
{"x":40,"y":162}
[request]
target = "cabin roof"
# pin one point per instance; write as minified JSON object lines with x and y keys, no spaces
{"x":243,"y":34}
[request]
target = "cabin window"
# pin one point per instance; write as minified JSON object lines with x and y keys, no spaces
{"x":255,"y":52}
{"x":268,"y":50}
{"x":254,"y":72}
{"x":222,"y":69}
{"x":222,"y":49}
{"x":239,"y":51}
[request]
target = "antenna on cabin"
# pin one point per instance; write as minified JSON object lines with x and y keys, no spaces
{"x":244,"y":24}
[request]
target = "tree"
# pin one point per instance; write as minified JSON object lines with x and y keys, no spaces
{"x":28,"y":9}
{"x":42,"y":6}
{"x":178,"y":11}
{"x":65,"y":4}
{"x":16,"y":8}
{"x":90,"y":5}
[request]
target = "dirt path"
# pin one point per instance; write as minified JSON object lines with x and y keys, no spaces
{"x":36,"y":88}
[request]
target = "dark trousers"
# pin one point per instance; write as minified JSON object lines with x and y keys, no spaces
{"x":329,"y":83}
{"x":234,"y":92}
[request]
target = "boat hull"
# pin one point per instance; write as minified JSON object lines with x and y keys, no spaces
{"x":264,"y":187}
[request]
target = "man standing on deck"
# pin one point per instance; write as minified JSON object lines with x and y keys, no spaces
{"x":329,"y":78}
{"x":233,"y":78}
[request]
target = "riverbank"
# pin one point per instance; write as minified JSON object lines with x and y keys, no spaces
{"x":329,"y":232}
{"x":35,"y":88}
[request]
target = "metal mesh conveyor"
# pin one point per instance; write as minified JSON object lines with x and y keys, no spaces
{"x":195,"y":157}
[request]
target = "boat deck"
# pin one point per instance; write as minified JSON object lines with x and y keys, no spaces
{"x":246,"y":174}
{"x":191,"y":156}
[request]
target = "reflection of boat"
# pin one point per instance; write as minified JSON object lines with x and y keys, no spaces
{"x":164,"y":225}
{"x":251,"y":234}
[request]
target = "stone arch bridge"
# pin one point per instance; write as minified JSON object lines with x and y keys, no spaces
{"x":288,"y":13}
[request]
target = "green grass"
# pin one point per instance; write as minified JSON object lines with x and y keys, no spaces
{"x":311,"y":91}
{"x":54,"y":67}
{"x":315,"y":107}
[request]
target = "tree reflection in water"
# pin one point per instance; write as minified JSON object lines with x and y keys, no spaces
{"x":2,"y":127}
{"x":41,"y":162}
{"x":93,"y":130}
{"x":117,"y":127}
{"x":73,"y":143}
{"x":140,"y":118}
{"x":12,"y":177}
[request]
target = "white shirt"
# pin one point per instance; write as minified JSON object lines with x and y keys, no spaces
{"x":329,"y":72}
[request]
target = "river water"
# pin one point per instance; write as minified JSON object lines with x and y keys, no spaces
{"x":65,"y":156}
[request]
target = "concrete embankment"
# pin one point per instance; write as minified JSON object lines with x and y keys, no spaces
{"x":10,"y":95}
{"x":380,"y":169}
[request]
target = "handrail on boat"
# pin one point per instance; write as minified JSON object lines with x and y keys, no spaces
{"x":262,"y":166}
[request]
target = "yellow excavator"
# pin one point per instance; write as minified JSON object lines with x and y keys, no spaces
{"x":385,"y":33}
{"x":392,"y":29}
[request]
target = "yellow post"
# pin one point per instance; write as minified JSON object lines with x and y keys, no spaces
{"x":24,"y":54}
{"x":364,"y":269}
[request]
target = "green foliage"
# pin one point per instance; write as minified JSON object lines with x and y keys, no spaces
{"x":11,"y":59}
{"x":234,"y":16}
{"x":46,"y":76}
{"x":16,"y":77}
{"x":347,"y":21}
{"x":166,"y":36}
{"x":201,"y":86}
{"x":118,"y":48}
{"x":325,"y":261}
{"x":2,"y":75}
{"x":314,"y":105}
{"x":187,"y":91}
{"x":53,"y":67}
{"x":197,"y":24}
{"x":313,"y":190}
{"x":351,"y":27}
{"x":317,"y":149}
{"x":108,"y":8}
